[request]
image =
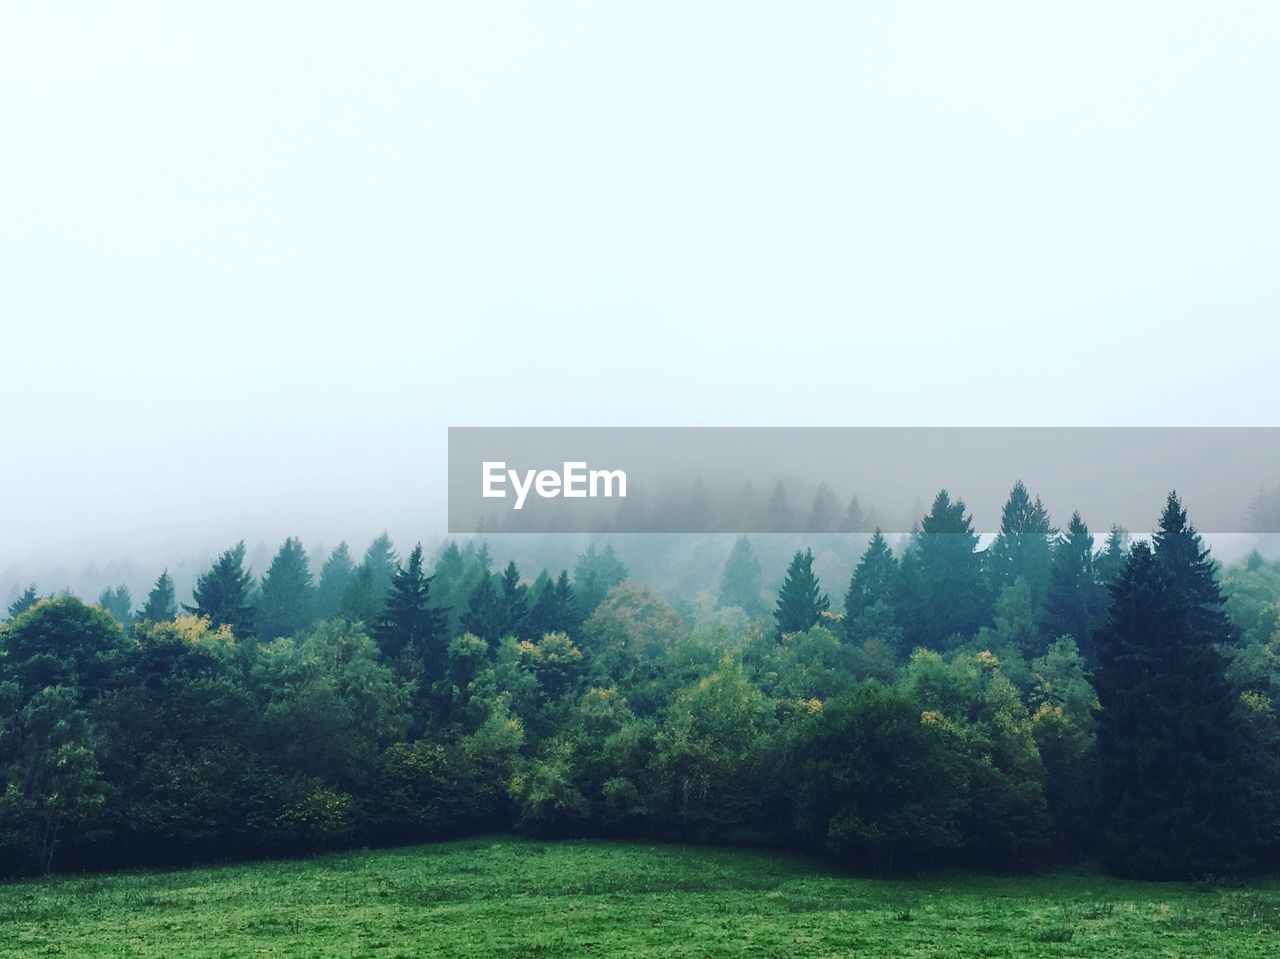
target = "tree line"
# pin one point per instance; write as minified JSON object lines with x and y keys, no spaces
{"x":1045,"y":699}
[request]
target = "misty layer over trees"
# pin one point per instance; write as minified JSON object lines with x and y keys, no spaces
{"x":1061,"y":695}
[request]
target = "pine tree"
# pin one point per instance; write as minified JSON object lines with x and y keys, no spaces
{"x":411,"y":631}
{"x":1109,"y":563}
{"x":119,"y":604}
{"x":515,"y":603}
{"x":1023,"y":547}
{"x":366,"y":595}
{"x":485,"y":615}
{"x":1171,"y":788}
{"x":555,"y":608}
{"x":224,"y":593}
{"x":801,"y":602}
{"x":945,"y":592}
{"x":595,"y":574}
{"x":162,"y":602}
{"x":778,"y":517}
{"x":25,"y":600}
{"x":286,"y":603}
{"x":335,"y":579}
{"x":855,"y":518}
{"x":824,"y":514}
{"x":1074,"y":600}
{"x":874,"y":580}
{"x":740,"y":582}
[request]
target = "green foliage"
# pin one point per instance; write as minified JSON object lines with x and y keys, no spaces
{"x":1170,"y":788}
{"x":162,"y":602}
{"x":874,"y":582}
{"x":286,"y":603}
{"x":740,"y":581}
{"x":801,"y":601}
{"x":336,"y":576}
{"x":225,"y":593}
{"x":944,"y":590}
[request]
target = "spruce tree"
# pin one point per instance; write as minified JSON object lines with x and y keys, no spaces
{"x":335,"y":579}
{"x":824,"y":514}
{"x":1072,"y":606}
{"x":595,"y":574}
{"x":25,"y":600}
{"x":740,"y":581}
{"x":801,"y":601}
{"x":1109,"y":563}
{"x":286,"y":603}
{"x":365,"y":597}
{"x":1023,"y":547}
{"x":485,"y":616}
{"x":224,"y":593}
{"x":162,"y":602}
{"x":119,"y":604}
{"x":1170,"y":798}
{"x":874,"y":580}
{"x":411,"y":631}
{"x":778,"y":517}
{"x":945,"y":592}
{"x":855,"y":518}
{"x":515,"y":603}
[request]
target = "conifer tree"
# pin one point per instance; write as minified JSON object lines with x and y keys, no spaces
{"x":594,"y":575}
{"x":286,"y":603}
{"x":1171,"y":792}
{"x":224,"y":593}
{"x":801,"y":601}
{"x":945,"y":592}
{"x":485,"y":615}
{"x":740,"y":581}
{"x":335,"y":579}
{"x":411,"y":631}
{"x":119,"y":604}
{"x":874,"y":580}
{"x":855,"y":518}
{"x":25,"y":600}
{"x":1072,"y":606}
{"x":1109,"y":563}
{"x":162,"y":602}
{"x":778,"y":517}
{"x":1023,"y":547}
{"x":366,"y":594}
{"x":824,"y":514}
{"x":515,"y":603}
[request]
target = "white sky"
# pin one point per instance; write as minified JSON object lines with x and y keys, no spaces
{"x":255,"y":257}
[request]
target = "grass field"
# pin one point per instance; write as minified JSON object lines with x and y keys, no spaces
{"x":501,"y":896}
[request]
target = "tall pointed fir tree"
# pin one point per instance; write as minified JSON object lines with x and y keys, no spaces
{"x":411,"y":632}
{"x":485,"y":616}
{"x":286,"y":601}
{"x":801,"y":601}
{"x":944,"y":590}
{"x":515,"y":603}
{"x":1171,"y":796}
{"x":335,"y":579}
{"x":1023,"y":547}
{"x":119,"y":604}
{"x":778,"y":515}
{"x":162,"y":602}
{"x":1109,"y":562}
{"x":873,"y":582}
{"x":824,"y":514}
{"x":740,"y":581}
{"x":366,"y":593}
{"x":1074,"y":602}
{"x":224,"y":593}
{"x":24,"y":601}
{"x":594,"y":575}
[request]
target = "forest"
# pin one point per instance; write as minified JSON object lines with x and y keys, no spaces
{"x":1052,"y":696}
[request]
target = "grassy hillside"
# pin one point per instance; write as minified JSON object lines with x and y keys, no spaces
{"x":506,"y":897}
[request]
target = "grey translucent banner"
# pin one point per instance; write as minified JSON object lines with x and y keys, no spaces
{"x":837,"y":479}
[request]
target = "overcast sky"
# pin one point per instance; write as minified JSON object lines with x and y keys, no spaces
{"x":255,"y":258}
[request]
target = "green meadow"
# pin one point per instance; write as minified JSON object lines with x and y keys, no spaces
{"x":501,"y":896}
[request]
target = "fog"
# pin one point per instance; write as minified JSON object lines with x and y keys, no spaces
{"x":254,"y":262}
